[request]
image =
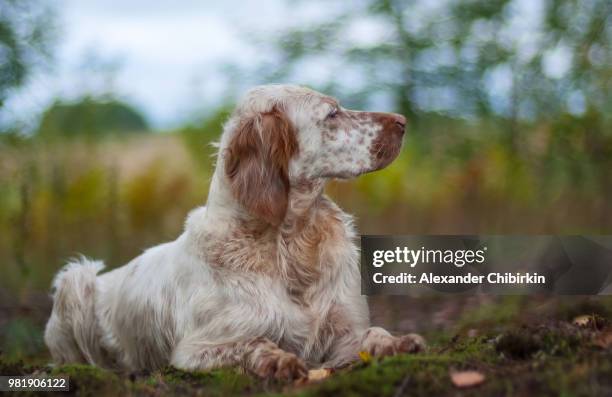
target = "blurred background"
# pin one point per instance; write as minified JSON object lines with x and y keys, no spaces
{"x":107,"y":109}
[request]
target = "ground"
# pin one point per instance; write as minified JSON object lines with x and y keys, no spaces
{"x":515,"y":346}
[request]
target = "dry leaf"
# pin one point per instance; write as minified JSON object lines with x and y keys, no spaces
{"x":467,"y":378}
{"x":582,"y":321}
{"x":365,"y":356}
{"x":604,"y":340}
{"x":318,"y":374}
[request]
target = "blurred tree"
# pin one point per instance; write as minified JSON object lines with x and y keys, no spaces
{"x":513,"y":94}
{"x":26,"y":37}
{"x":508,"y":58}
{"x":90,"y":117}
{"x":199,"y":137}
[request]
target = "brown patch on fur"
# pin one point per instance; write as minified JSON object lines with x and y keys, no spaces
{"x":306,"y":239}
{"x":217,"y":355}
{"x":249,"y":246}
{"x":386,"y":146}
{"x":297,"y":255}
{"x":330,"y":101}
{"x":257,"y":162}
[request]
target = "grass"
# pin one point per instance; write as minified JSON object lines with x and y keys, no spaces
{"x":525,"y":353}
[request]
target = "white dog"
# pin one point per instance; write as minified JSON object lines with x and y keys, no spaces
{"x":265,"y":276}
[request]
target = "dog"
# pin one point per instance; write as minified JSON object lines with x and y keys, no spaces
{"x":264,"y":277}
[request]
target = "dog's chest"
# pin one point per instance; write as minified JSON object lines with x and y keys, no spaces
{"x":315,"y":256}
{"x":313,"y":318}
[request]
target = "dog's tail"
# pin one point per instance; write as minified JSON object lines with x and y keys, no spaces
{"x":72,"y":333}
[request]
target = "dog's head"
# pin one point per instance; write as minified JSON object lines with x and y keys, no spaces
{"x":281,"y":135}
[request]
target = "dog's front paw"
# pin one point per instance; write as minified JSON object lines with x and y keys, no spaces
{"x":280,"y":365}
{"x":379,"y":343}
{"x":411,"y":343}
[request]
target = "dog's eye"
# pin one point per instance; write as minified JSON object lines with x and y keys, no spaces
{"x":333,"y":113}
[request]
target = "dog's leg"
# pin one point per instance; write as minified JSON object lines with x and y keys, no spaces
{"x":379,"y":342}
{"x":375,"y":341}
{"x":259,"y":356}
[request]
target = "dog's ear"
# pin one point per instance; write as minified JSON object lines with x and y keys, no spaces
{"x":257,"y":162}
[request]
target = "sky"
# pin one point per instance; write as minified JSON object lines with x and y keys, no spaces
{"x":169,"y":58}
{"x":165,"y":57}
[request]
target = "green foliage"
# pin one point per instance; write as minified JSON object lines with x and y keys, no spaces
{"x":199,"y":137}
{"x":442,"y":56}
{"x":89,"y":117}
{"x":21,"y":338}
{"x":66,"y":197}
{"x":26,"y":37}
{"x":453,"y":176}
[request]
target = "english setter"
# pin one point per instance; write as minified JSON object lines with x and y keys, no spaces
{"x":265,"y":276}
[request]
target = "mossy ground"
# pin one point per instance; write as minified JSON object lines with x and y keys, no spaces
{"x":522,"y":349}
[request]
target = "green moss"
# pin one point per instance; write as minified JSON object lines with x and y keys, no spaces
{"x":11,"y":367}
{"x":220,"y":382}
{"x":87,"y":380}
{"x":555,"y":339}
{"x":497,"y":313}
{"x":589,"y":372}
{"x":382,"y":378}
{"x":474,"y":349}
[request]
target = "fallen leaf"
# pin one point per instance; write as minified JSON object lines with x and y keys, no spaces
{"x":593,"y":321}
{"x":318,"y":374}
{"x":467,"y":378}
{"x":604,"y":340}
{"x":365,"y":356}
{"x":582,"y":321}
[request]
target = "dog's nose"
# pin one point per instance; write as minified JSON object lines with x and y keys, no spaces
{"x":400,"y":120}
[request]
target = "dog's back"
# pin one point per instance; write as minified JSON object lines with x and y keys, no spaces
{"x":123,"y":318}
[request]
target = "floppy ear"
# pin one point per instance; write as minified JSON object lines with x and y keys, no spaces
{"x":257,"y":162}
